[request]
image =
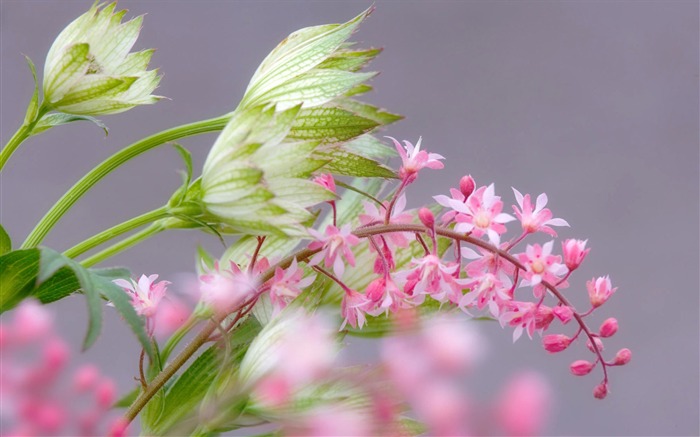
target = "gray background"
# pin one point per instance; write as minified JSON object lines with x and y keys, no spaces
{"x":595,"y":103}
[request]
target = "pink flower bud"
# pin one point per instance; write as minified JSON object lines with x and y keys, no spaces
{"x":118,"y":427}
{"x":543,"y":317}
{"x":600,"y":391}
{"x":581,"y":367}
{"x":105,"y":393}
{"x":598,"y":343}
{"x":563,"y":313}
{"x":608,"y":328}
{"x":32,"y":321}
{"x":622,"y":357}
{"x":574,"y":252}
{"x":55,"y":355}
{"x":426,"y":217}
{"x":85,"y":378}
{"x":326,"y":181}
{"x":555,"y":343}
{"x":600,"y":290}
{"x":467,"y":185}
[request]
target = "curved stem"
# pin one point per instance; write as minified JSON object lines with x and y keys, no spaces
{"x":95,"y":175}
{"x":116,"y":231}
{"x":126,"y":243}
{"x":24,"y":132}
{"x":445,"y":232}
{"x":202,"y":337}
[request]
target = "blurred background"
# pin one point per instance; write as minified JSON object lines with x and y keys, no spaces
{"x":594,"y":103}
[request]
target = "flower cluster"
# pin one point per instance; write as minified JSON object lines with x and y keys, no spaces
{"x":495,"y":277}
{"x":34,"y":362}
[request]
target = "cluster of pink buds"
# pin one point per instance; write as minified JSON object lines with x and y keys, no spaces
{"x":498,"y":271}
{"x":34,"y":360}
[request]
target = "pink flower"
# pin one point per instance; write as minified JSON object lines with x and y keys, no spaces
{"x":599,"y":290}
{"x":287,"y":284}
{"x":443,"y":200}
{"x":374,"y":215}
{"x":487,"y":289}
{"x":223,"y":290}
{"x":385,"y":296}
{"x":524,"y":405}
{"x":352,"y":309}
{"x":432,"y":277}
{"x":146,"y":294}
{"x":541,"y":266}
{"x":414,"y":159}
{"x":600,"y":391}
{"x":574,"y":253}
{"x":537,"y":220}
{"x":336,"y":245}
{"x":525,"y":317}
{"x":564,"y":313}
{"x":481,"y":214}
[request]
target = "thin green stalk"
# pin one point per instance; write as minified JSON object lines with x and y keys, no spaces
{"x":24,"y":132}
{"x":126,"y":243}
{"x":115,"y":231}
{"x":111,"y":163}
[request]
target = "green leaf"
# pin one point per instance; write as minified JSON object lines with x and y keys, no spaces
{"x":59,"y":118}
{"x":190,"y":388}
{"x":344,"y":163}
{"x":18,"y":270}
{"x":33,"y":108}
{"x":370,"y":147}
{"x":5,"y":241}
{"x":329,"y":125}
{"x":381,"y":116}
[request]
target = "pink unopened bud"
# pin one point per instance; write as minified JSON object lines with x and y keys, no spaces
{"x":543,"y":317}
{"x":426,"y":217}
{"x":326,"y":181}
{"x":574,"y":252}
{"x":56,"y":354}
{"x":598,"y":343}
{"x":555,"y":343}
{"x":105,"y":393}
{"x":85,"y":378}
{"x":118,"y":428}
{"x":600,"y":391}
{"x":581,"y":367}
{"x":608,"y":328}
{"x":623,"y":357}
{"x":467,"y":185}
{"x":563,"y":313}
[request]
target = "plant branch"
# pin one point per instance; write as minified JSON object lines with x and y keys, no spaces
{"x":107,"y":166}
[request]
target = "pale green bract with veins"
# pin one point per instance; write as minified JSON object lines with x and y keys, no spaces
{"x":89,"y":70}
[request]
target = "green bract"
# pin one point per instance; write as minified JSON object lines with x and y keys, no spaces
{"x":296,"y":118}
{"x":89,"y":70}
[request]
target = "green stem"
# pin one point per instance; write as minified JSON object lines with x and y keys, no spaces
{"x":111,"y":163}
{"x":24,"y":132}
{"x":126,"y":243}
{"x":116,"y":231}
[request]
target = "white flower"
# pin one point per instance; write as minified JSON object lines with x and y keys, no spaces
{"x":89,"y":70}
